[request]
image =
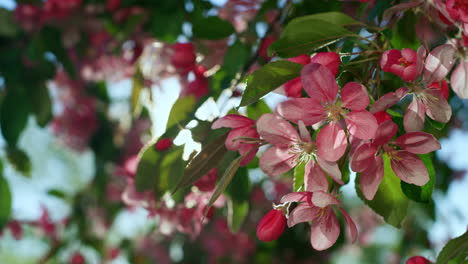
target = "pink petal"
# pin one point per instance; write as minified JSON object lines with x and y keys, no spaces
{"x":331,"y":60}
{"x":314,"y":178}
{"x":293,"y":88}
{"x":385,"y":132}
{"x":409,"y":168}
{"x":415,"y":116}
{"x":418,"y":142}
{"x":438,"y":63}
{"x":297,"y":197}
{"x":388,"y":100}
{"x":410,"y":73}
{"x":325,"y":233}
{"x":352,"y":229}
{"x":276,"y":130}
{"x":276,"y":161}
{"x":437,"y":107}
{"x":371,"y":178}
{"x":354,"y":96}
{"x":319,"y":82}
{"x":305,"y":109}
{"x":305,"y":135}
{"x":363,"y":157}
{"x":459,"y":80}
{"x":323,"y":199}
{"x":232,"y":141}
{"x":232,"y":121}
{"x":332,"y":169}
{"x":422,"y":53}
{"x":331,"y":142}
{"x":250,"y":150}
{"x":302,"y":213}
{"x":361,"y":124}
{"x":389,"y":58}
{"x":301,"y":59}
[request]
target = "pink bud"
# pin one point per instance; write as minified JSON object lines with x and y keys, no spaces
{"x":271,"y":226}
{"x":382,"y":116}
{"x":331,"y":60}
{"x":263,"y":49}
{"x":417,"y":260}
{"x":163,"y":144}
{"x":16,"y":229}
{"x":77,"y":258}
{"x":184,"y":56}
{"x":207,"y":182}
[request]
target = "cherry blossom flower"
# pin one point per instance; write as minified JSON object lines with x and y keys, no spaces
{"x":459,"y":80}
{"x":318,"y":207}
{"x":291,"y":148}
{"x":241,"y":127}
{"x":403,"y":63}
{"x":208,"y":181}
{"x":418,"y":260}
{"x":271,"y":226}
{"x":183,"y":57}
{"x":367,"y":158}
{"x":325,"y":104}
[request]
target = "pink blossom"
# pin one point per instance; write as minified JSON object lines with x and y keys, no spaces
{"x":403,"y":63}
{"x":241,"y":127}
{"x":459,"y":80}
{"x":457,"y":9}
{"x":291,"y":148}
{"x":264,"y":45}
{"x":367,"y":158}
{"x":418,"y":260}
{"x":77,"y":258}
{"x":208,"y":181}
{"x":15,"y":229}
{"x":317,"y":207}
{"x":183,"y":57}
{"x":337,"y":110}
{"x":271,"y":226}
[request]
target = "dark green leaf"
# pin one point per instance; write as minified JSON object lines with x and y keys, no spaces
{"x":8,"y":27}
{"x":57,"y":193}
{"x":389,"y":201}
{"x":268,"y":78}
{"x":306,"y":34}
{"x":5,"y":202}
{"x":147,"y":170}
{"x":14,"y":114}
{"x":211,"y":27}
{"x":19,"y":160}
{"x":208,"y":158}
{"x":167,"y":25}
{"x":299,"y":172}
{"x":404,"y":34}
{"x":456,"y":248}
{"x":237,"y":212}
{"x":53,"y":39}
{"x":422,"y":194}
{"x":235,"y":58}
{"x":180,"y":110}
{"x":239,"y":189}
{"x":41,"y":105}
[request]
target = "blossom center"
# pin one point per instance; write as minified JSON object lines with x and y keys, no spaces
{"x":334,"y":111}
{"x":404,"y":62}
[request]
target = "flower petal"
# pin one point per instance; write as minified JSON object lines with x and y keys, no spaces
{"x":371,"y":178}
{"x":232,"y":121}
{"x":438,"y":63}
{"x":276,"y":130}
{"x":352,"y":229}
{"x":415,"y":116}
{"x":437,"y":107}
{"x":331,"y":60}
{"x":325,"y":233}
{"x":306,"y":109}
{"x":276,"y":161}
{"x":409,"y":168}
{"x":459,"y":80}
{"x":305,"y":135}
{"x":388,"y":100}
{"x":302,"y":213}
{"x":385,"y":132}
{"x":354,"y":96}
{"x":363,"y":157}
{"x":297,"y":197}
{"x":233,"y":143}
{"x":418,"y":142}
{"x":331,"y":142}
{"x":319,"y":82}
{"x":314,"y":178}
{"x":323,"y":199}
{"x":361,"y":124}
{"x":293,"y":88}
{"x":332,"y":169}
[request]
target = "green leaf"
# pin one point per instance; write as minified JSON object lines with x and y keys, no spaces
{"x":211,"y":27}
{"x":299,"y":172}
{"x":403,"y":33}
{"x":224,"y":181}
{"x":455,"y":249}
{"x":5,"y":202}
{"x":19,"y":160}
{"x":167,"y":25}
{"x":180,"y":110}
{"x":14,"y":114}
{"x":268,"y":78}
{"x":235,"y":58}
{"x":41,"y":104}
{"x":389,"y":201}
{"x":255,"y":110}
{"x":8,"y":27}
{"x":239,"y":189}
{"x":237,"y":212}
{"x":137,"y":87}
{"x":208,"y":158}
{"x":53,"y":38}
{"x":306,"y":34}
{"x":422,"y":194}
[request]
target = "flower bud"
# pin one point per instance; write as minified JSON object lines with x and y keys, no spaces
{"x":271,"y":226}
{"x":418,"y":260}
{"x":77,"y":258}
{"x":163,"y":144}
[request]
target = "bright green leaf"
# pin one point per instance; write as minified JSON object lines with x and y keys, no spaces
{"x":422,"y":194}
{"x":180,"y":110}
{"x":14,"y":114}
{"x":299,"y":172}
{"x":137,"y":87}
{"x":211,"y":27}
{"x":389,"y":201}
{"x":268,"y":78}
{"x":255,"y":110}
{"x":456,"y":248}
{"x":5,"y":201}
{"x":237,"y":212}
